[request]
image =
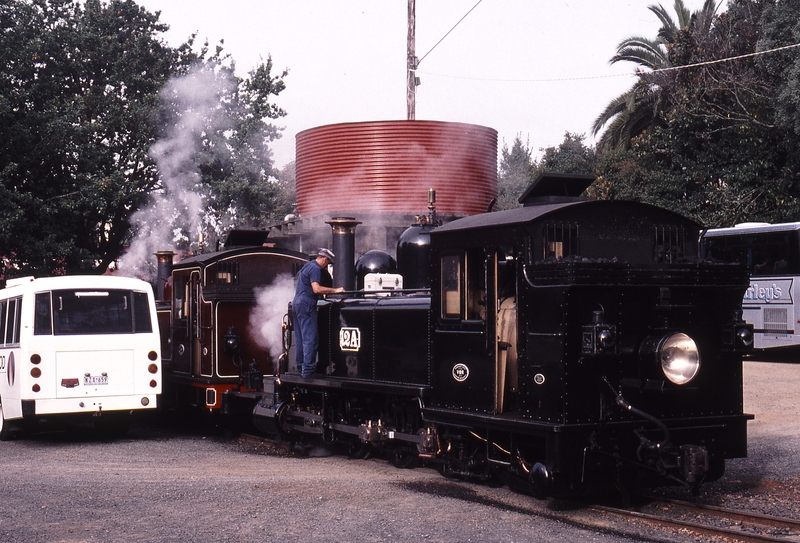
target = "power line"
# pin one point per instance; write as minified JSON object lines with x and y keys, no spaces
{"x":634,"y":74}
{"x":448,"y":32}
{"x":729,"y":59}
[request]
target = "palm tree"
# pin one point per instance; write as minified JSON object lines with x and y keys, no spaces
{"x":632,"y":112}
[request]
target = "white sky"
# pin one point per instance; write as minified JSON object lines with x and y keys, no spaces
{"x":537,"y":68}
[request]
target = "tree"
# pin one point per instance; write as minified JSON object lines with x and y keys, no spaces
{"x":213,"y":157}
{"x":723,"y":149}
{"x":78,"y":83}
{"x":85,"y":125}
{"x":287,"y":190}
{"x":516,"y":173}
{"x":635,"y":110}
{"x":571,"y":156}
{"x":780,"y":26}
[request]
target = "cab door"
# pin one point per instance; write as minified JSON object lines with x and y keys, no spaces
{"x":185,"y":329}
{"x":505,"y":296}
{"x":464,"y":340}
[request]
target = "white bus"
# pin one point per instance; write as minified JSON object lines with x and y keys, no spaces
{"x":772,"y":254}
{"x":83,"y":347}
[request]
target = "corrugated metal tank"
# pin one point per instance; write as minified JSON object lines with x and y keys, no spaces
{"x":390,"y":165}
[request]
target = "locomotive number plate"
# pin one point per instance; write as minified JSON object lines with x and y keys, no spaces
{"x":90,"y":380}
{"x":350,"y":339}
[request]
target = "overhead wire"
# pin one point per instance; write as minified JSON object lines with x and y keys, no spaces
{"x":448,"y":32}
{"x":634,"y":74}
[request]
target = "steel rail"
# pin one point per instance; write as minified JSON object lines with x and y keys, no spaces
{"x":764,"y":522}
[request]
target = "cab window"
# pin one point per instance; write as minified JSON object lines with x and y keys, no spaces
{"x":463,"y":286}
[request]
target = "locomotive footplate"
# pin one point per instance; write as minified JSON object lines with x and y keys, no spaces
{"x":360,"y":385}
{"x":276,"y":413}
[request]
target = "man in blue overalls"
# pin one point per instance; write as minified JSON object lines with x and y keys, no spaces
{"x":304,"y":306}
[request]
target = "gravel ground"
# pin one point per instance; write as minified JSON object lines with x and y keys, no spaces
{"x":768,"y":480}
{"x":162,"y":484}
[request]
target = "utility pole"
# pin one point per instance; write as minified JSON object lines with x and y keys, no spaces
{"x":411,"y":63}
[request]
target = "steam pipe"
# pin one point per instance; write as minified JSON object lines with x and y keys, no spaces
{"x":343,"y":245}
{"x":163,"y":271}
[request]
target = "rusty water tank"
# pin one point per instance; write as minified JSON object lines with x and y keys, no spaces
{"x":388,"y":166}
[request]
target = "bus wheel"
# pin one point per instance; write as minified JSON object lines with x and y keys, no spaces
{"x":5,"y":431}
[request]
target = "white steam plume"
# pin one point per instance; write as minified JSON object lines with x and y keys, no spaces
{"x":175,"y":214}
{"x":266,"y":318}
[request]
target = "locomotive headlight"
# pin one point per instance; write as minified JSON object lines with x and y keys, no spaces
{"x":745,"y":336}
{"x":680,"y":358}
{"x":607,"y":338}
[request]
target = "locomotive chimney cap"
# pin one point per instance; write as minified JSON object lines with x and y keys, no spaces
{"x":327,"y":253}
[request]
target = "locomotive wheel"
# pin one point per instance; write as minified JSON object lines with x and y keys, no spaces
{"x":280,"y":418}
{"x":716,"y":469}
{"x":404,"y":458}
{"x":445,"y":470}
{"x":359,"y":451}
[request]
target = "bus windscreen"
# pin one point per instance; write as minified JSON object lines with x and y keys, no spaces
{"x":91,"y":312}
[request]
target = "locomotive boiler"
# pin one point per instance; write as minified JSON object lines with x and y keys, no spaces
{"x":566,"y":345}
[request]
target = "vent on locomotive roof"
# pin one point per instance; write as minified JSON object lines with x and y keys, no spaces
{"x":245,"y":238}
{"x":555,"y":187}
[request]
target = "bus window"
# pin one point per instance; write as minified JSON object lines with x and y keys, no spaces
{"x":764,"y":253}
{"x":12,"y":322}
{"x":142,"y":322}
{"x":43,"y":319}
{"x":3,"y":322}
{"x":87,"y":312}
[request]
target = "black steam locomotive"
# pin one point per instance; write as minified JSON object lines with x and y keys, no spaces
{"x":561,"y":346}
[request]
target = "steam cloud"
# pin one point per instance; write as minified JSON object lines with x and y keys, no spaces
{"x":176,"y":213}
{"x":266,"y":318}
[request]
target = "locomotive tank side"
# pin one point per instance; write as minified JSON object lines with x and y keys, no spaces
{"x":384,"y":339}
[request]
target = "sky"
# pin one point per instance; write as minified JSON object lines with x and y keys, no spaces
{"x":529,"y":68}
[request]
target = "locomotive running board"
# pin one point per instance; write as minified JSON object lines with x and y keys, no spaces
{"x":384,"y":387}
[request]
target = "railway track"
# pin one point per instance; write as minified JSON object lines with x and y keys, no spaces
{"x":710,"y":520}
{"x":692,"y":519}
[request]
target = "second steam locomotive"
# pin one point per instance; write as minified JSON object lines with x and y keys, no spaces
{"x":566,"y":345}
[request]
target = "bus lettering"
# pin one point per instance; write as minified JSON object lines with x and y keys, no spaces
{"x":760,"y":293}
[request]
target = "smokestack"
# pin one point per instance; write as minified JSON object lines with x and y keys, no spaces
{"x":163,"y":272}
{"x":343,"y":245}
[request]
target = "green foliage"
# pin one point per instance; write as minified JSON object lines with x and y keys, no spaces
{"x":516,"y":173}
{"x":83,"y":103}
{"x":286,"y":198}
{"x":78,"y":84}
{"x":723,"y":147}
{"x":636,"y":110}
{"x":518,"y":169}
{"x":571,"y":156}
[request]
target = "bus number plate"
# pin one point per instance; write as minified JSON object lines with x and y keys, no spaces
{"x":90,"y":380}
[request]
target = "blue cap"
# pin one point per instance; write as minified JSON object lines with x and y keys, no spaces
{"x":327,"y":253}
